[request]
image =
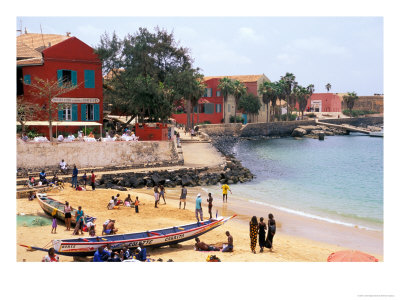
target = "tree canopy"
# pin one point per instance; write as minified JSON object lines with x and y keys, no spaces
{"x":146,"y":72}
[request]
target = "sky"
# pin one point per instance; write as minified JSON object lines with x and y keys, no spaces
{"x":346,"y":52}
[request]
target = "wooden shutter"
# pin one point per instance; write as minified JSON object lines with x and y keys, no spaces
{"x":83,"y":112}
{"x":60,"y":77}
{"x":74,"y":79}
{"x":74,"y":109}
{"x":89,"y":78}
{"x":27,"y":79}
{"x":60,"y":112}
{"x":96,"y":112}
{"x":209,"y":108}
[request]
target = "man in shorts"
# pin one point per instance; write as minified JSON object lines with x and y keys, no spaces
{"x":201,"y":246}
{"x":225,"y":189}
{"x":229,"y":247}
{"x":183,"y":197}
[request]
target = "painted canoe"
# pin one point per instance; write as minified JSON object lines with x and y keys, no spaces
{"x":49,"y":205}
{"x":153,"y":238}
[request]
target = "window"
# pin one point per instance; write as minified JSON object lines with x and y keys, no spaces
{"x":209,"y":108}
{"x":218,"y":108}
{"x":67,"y":112}
{"x":67,"y":77}
{"x":218,"y":93}
{"x":209,"y":92}
{"x":90,"y":112}
{"x":89,"y":78}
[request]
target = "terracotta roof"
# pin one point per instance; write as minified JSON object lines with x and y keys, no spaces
{"x":242,"y":78}
{"x":30,"y":61}
{"x":39,"y":42}
{"x":23,"y":51}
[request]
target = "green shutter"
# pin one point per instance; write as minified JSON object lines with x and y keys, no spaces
{"x":74,"y":79}
{"x":60,"y":112}
{"x":96,"y":112}
{"x":74,"y":112}
{"x":205,"y":92}
{"x":89,"y":79}
{"x":83,"y":112}
{"x":27,"y":79}
{"x":210,"y":92}
{"x":59,"y":77}
{"x":209,"y":108}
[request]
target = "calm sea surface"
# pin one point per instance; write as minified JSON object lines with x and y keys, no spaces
{"x":337,"y":180}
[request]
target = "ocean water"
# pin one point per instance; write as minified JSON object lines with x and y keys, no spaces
{"x":338,"y":180}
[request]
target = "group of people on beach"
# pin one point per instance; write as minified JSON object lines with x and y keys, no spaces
{"x":115,"y":202}
{"x":105,"y":254}
{"x":258,"y":229}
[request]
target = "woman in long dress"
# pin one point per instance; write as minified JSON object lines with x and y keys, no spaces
{"x":253,"y":234}
{"x":271,"y":231}
{"x":261,"y":234}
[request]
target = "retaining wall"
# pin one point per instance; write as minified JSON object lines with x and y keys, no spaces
{"x":96,"y":154}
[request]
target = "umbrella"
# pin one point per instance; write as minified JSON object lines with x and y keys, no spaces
{"x":351,"y":255}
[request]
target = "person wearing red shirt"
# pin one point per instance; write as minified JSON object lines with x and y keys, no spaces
{"x":92,"y":180}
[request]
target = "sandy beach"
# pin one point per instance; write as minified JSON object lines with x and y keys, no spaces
{"x":287,"y":248}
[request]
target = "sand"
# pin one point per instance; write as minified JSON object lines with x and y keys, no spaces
{"x":287,"y":248}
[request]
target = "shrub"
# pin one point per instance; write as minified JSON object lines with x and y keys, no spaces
{"x":292,"y":117}
{"x":357,"y":113}
{"x":238,"y":119}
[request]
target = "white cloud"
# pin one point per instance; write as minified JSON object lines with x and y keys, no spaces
{"x":286,"y":58}
{"x":89,"y":30}
{"x":315,"y":45}
{"x":247,"y":33}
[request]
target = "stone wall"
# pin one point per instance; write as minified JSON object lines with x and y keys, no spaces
{"x":221,"y":129}
{"x":95,"y":154}
{"x":279,"y":128}
{"x":370,"y":103}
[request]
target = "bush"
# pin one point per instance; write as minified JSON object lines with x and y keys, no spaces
{"x":312,"y":115}
{"x":238,"y":119}
{"x":357,"y":113}
{"x":292,"y":117}
{"x":32,"y":134}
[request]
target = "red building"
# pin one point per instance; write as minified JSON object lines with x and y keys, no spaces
{"x":324,"y":102}
{"x":211,"y":105}
{"x":68,"y":60}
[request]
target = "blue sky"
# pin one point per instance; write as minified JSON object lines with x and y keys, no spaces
{"x":347,"y":52}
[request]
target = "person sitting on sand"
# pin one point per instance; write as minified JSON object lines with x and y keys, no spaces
{"x":79,"y":188}
{"x":63,"y":167}
{"x":51,"y":257}
{"x":229,"y":247}
{"x":128,"y":201}
{"x":117,"y":200}
{"x":91,"y":135}
{"x":111,"y":204}
{"x":110,"y":228}
{"x":142,"y":255}
{"x":32,"y":196}
{"x":42,"y":177}
{"x":101,"y":255}
{"x":201,"y":246}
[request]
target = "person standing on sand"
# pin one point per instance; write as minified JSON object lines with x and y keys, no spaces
{"x":80,"y":219}
{"x":67,"y":211}
{"x":253,"y":234}
{"x":225,"y":189}
{"x":54,"y":224}
{"x":156,"y":197}
{"x":199,"y":210}
{"x":229,"y":247}
{"x":84,"y":179}
{"x":261,"y":234}
{"x":92,"y":180}
{"x":182,"y":198}
{"x":210,"y":200}
{"x":137,"y":204}
{"x":162,"y":193}
{"x":271,"y":231}
{"x":74,"y":180}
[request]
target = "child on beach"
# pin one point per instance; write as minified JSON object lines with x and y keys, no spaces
{"x":137,"y":204}
{"x":156,"y":196}
{"x":54,"y":225}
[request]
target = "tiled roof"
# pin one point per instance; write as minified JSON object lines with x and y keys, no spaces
{"x":23,"y":51}
{"x":30,"y":61}
{"x":39,"y":42}
{"x":242,"y":78}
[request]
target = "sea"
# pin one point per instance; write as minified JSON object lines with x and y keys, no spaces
{"x":337,"y":180}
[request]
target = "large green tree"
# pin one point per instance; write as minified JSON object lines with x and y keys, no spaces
{"x":269,"y":92}
{"x":250,"y":104}
{"x":302,"y":95}
{"x":226,"y":86}
{"x":238,"y":90}
{"x":145,"y":73}
{"x":349,"y":100}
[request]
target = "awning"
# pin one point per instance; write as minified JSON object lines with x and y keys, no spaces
{"x":203,"y":100}
{"x":60,"y":123}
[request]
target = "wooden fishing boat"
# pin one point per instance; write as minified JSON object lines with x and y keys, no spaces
{"x":51,"y":206}
{"x":154,"y":238}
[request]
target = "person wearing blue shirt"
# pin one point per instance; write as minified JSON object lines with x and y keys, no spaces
{"x":74,"y":181}
{"x":101,"y":255}
{"x":199,"y":210}
{"x":42,"y":177}
{"x":142,"y":255}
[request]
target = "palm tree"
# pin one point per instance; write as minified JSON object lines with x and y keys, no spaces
{"x":303,"y":94}
{"x":238,"y":90}
{"x":349,"y":99}
{"x":328,"y":86}
{"x":280,"y":90}
{"x":268,"y":90}
{"x":288,"y":85}
{"x":225,"y":86}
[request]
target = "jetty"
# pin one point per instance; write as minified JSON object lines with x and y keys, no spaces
{"x":347,"y":127}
